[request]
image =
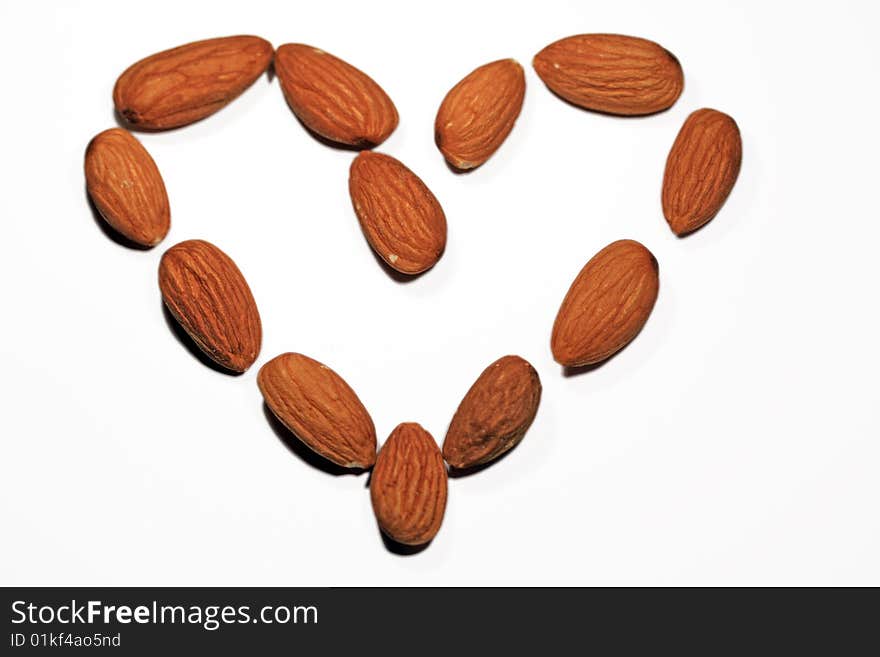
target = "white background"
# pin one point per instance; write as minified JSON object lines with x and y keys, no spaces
{"x":735,"y":441}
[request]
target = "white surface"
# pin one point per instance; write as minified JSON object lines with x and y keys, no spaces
{"x":734,"y":442}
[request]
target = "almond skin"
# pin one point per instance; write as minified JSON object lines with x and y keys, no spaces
{"x":401,"y":219}
{"x":495,"y":413}
{"x":184,"y":84}
{"x":320,"y":408}
{"x":607,"y":305}
{"x":210,"y":299}
{"x":408,"y":486}
{"x":478,"y":113}
{"x":611,"y":73}
{"x":333,"y":98}
{"x":126,"y":187}
{"x":701,"y":169}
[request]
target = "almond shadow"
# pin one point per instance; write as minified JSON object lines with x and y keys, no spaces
{"x":190,"y":345}
{"x":300,"y":449}
{"x":401,"y":549}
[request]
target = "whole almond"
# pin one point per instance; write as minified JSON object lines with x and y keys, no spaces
{"x":184,"y":84}
{"x":478,"y":113}
{"x":611,"y":73}
{"x":333,"y":98}
{"x":495,"y":413}
{"x":401,"y":219}
{"x":607,"y":305}
{"x":126,"y":187}
{"x":320,"y":408}
{"x":701,"y":169}
{"x":408,"y":486}
{"x":208,"y":296}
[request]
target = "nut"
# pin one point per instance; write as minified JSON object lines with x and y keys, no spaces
{"x":611,"y":73}
{"x":126,"y":187}
{"x":208,"y":296}
{"x":333,"y":98}
{"x":607,"y":305}
{"x":182,"y":85}
{"x":401,"y":219}
{"x":701,"y":169}
{"x":320,"y":408}
{"x":408,"y":486}
{"x":478,"y":113}
{"x":495,"y":413}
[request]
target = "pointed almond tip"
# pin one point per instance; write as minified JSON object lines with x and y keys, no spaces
{"x":243,"y":364}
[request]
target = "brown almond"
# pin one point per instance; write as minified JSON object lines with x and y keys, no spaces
{"x":607,"y":305}
{"x":126,"y":187}
{"x":320,"y":408}
{"x":408,"y":486}
{"x":333,"y":98}
{"x":208,"y":296}
{"x":611,"y":73}
{"x":401,"y":219}
{"x":701,"y":169}
{"x":495,"y":413}
{"x":179,"y":86}
{"x":478,"y":113}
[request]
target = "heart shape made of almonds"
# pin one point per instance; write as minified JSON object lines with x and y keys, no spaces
{"x":607,"y":305}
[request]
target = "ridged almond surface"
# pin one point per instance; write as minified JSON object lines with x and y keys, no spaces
{"x":408,"y":486}
{"x":184,"y":84}
{"x":478,"y":113}
{"x":333,"y":98}
{"x":401,"y":219}
{"x":320,"y":408}
{"x":611,"y":73}
{"x":701,"y":169}
{"x":495,"y":413}
{"x":126,"y":187}
{"x":607,"y":305}
{"x":208,"y":296}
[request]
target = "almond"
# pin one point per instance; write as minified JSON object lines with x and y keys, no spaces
{"x":701,"y":169}
{"x":182,"y":85}
{"x":607,"y":305}
{"x":408,"y":486}
{"x":478,"y":113}
{"x":126,"y":187}
{"x":208,"y":296}
{"x":333,"y":98}
{"x":320,"y":408}
{"x":401,"y":219}
{"x":611,"y":73}
{"x":495,"y":413}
